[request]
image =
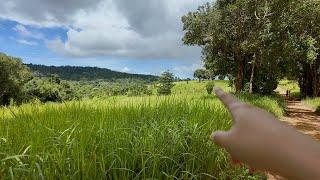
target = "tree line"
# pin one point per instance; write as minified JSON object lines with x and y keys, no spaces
{"x":18,"y":84}
{"x":255,"y":43}
{"x":75,"y":73}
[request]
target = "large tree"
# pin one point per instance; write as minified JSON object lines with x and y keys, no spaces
{"x":301,"y":22}
{"x":13,"y":75}
{"x":232,"y":34}
{"x":255,"y":43}
{"x":200,"y":74}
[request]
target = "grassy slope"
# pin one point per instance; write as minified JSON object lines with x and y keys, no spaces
{"x":121,"y":137}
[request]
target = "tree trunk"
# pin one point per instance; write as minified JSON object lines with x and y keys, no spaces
{"x":240,"y":73}
{"x":316,"y":77}
{"x":306,"y":82}
{"x":252,"y":74}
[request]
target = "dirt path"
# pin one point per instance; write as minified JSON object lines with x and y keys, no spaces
{"x":303,"y":119}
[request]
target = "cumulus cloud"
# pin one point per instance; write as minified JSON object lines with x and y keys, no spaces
{"x":140,"y":29}
{"x":44,"y":13}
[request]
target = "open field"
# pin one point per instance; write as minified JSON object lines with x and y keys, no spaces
{"x":121,"y":137}
{"x":289,"y":85}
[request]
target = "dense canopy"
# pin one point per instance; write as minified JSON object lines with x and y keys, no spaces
{"x":256,"y":43}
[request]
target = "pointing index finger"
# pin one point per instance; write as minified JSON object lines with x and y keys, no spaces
{"x":227,"y":99}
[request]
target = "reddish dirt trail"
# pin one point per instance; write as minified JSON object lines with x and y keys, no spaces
{"x":303,"y":119}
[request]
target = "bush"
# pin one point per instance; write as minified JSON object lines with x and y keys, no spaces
{"x":166,"y":83}
{"x":209,"y":87}
{"x":49,"y":90}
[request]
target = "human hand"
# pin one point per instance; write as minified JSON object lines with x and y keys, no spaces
{"x":261,"y":141}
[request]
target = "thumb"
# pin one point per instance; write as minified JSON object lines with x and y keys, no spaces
{"x":220,"y":138}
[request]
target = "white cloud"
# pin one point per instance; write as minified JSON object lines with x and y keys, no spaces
{"x":24,"y":32}
{"x":26,"y":42}
{"x":126,"y":69}
{"x":187,"y":70}
{"x":44,"y":13}
{"x":141,"y":29}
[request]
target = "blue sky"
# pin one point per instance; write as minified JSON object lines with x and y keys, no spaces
{"x":139,"y":36}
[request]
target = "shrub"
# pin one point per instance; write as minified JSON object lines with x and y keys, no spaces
{"x":209,"y":87}
{"x":166,"y":83}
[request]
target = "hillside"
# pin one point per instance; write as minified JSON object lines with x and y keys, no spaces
{"x":77,"y":73}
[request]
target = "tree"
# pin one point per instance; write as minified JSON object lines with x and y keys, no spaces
{"x":301,"y":22}
{"x":254,"y":43}
{"x":166,"y":83}
{"x":200,"y":74}
{"x":13,"y":75}
{"x":221,"y":77}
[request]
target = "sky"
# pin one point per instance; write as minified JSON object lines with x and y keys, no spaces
{"x":134,"y":36}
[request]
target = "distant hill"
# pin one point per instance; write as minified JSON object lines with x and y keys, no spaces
{"x":76,"y":73}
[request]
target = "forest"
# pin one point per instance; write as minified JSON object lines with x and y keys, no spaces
{"x":86,"y":73}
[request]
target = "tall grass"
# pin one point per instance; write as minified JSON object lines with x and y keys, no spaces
{"x":313,"y":103}
{"x":119,"y":138}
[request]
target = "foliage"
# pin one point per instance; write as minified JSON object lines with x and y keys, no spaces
{"x":49,"y":90}
{"x":221,"y":77}
{"x":290,"y":85}
{"x":209,"y":87}
{"x":86,"y":73}
{"x":13,"y":75}
{"x":201,"y":74}
{"x":166,"y":83}
{"x":156,"y":137}
{"x":257,"y":43}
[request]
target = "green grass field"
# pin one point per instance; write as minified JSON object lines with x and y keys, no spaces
{"x":122,"y":137}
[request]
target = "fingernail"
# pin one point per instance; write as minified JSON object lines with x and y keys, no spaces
{"x":212,"y":136}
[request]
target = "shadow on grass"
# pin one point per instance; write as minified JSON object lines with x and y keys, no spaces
{"x":209,"y":97}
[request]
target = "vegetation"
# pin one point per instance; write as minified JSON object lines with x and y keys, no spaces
{"x":73,"y":73}
{"x":13,"y":75}
{"x":203,"y":74}
{"x":256,"y":43}
{"x":122,"y":137}
{"x":19,"y":85}
{"x":94,"y":123}
{"x":166,"y":83}
{"x":313,"y":103}
{"x":288,"y":85}
{"x":209,"y":87}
